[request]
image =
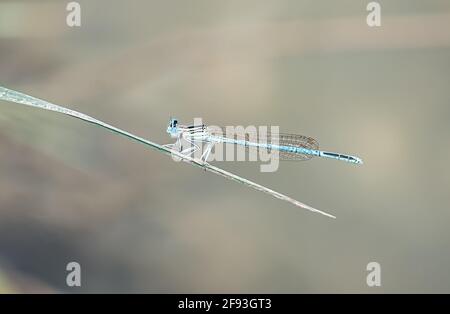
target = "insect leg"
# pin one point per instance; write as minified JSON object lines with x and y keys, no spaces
{"x":208,"y":149}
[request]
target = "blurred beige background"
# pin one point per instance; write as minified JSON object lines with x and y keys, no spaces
{"x":138,"y":222}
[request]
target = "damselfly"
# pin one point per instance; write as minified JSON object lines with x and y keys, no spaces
{"x":279,"y":145}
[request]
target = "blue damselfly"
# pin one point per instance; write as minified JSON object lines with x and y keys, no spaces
{"x":280,"y":145}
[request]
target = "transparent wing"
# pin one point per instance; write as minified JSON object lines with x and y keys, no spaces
{"x":284,"y":139}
